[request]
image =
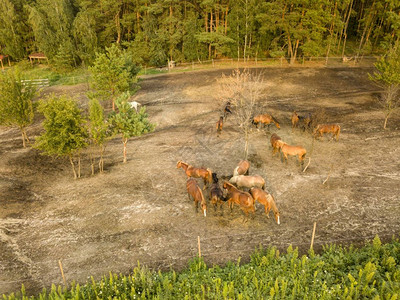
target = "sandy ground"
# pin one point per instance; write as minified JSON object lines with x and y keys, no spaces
{"x":139,"y":211}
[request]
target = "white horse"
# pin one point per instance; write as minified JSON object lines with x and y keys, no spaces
{"x":134,"y":104}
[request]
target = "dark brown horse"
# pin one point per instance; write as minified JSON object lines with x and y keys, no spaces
{"x":216,"y":193}
{"x":265,"y":119}
{"x":304,"y":121}
{"x":276,"y":146}
{"x":191,"y":171}
{"x":327,"y":128}
{"x":267,"y":200}
{"x":242,"y":168}
{"x":194,"y":191}
{"x":243,"y":199}
{"x":227,"y":110}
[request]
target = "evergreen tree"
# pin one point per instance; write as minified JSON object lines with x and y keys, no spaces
{"x":127,"y":122}
{"x":65,"y":134}
{"x":113,"y":72}
{"x":387,"y":75}
{"x":16,"y":108}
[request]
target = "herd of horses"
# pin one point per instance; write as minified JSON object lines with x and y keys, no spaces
{"x":230,"y":193}
{"x":242,"y":189}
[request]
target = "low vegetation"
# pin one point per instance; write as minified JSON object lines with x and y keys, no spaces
{"x":370,"y":272}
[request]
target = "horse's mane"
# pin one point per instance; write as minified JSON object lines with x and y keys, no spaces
{"x":275,"y":120}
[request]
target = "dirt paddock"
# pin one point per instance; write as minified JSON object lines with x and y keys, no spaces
{"x":139,"y":211}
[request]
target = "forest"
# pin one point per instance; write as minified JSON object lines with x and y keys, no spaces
{"x":70,"y":32}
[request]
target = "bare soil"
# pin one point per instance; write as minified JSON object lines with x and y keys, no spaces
{"x":139,"y":211}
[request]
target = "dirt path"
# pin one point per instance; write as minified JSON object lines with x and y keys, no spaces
{"x":140,"y":211}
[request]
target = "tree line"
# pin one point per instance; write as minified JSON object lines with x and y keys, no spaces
{"x":70,"y":32}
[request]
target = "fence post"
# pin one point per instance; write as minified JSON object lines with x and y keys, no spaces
{"x":62,"y":272}
{"x":198,"y":244}
{"x":313,"y":235}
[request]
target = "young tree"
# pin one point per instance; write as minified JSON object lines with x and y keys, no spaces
{"x":113,"y":72}
{"x":242,"y":89}
{"x":98,"y":130}
{"x":16,"y":109}
{"x":387,"y":75}
{"x":65,"y":133}
{"x":128,"y":122}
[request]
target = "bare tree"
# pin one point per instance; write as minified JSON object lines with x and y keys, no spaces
{"x":242,"y":90}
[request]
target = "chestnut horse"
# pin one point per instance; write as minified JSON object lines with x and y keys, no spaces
{"x":292,"y":150}
{"x":242,"y":168}
{"x":194,"y":190}
{"x":267,"y":200}
{"x":327,"y":128}
{"x":216,"y":194}
{"x":191,"y":171}
{"x":248,"y":181}
{"x":276,"y":146}
{"x":220,"y":123}
{"x":305,"y":120}
{"x":265,"y":119}
{"x":243,"y":199}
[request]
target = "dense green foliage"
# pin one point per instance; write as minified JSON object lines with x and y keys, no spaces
{"x":16,"y":107}
{"x":64,"y":131}
{"x":387,"y":75}
{"x":127,"y":122}
{"x":154,"y":31}
{"x":371,"y":272}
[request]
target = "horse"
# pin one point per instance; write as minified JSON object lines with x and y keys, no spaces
{"x":292,"y":150}
{"x":194,"y":190}
{"x":267,"y":200}
{"x":305,"y":120}
{"x":220,"y":123}
{"x":242,"y":168}
{"x":276,"y":146}
{"x":243,"y":199}
{"x":227,"y":109}
{"x":191,"y":171}
{"x":134,"y":105}
{"x":265,"y":119}
{"x":326,"y":128}
{"x":216,"y":194}
{"x":248,"y":181}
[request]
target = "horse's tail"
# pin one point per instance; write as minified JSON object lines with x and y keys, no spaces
{"x":209,"y":177}
{"x":338,"y":132}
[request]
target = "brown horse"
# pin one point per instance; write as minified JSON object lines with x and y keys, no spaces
{"x":276,"y":146}
{"x":227,"y":110}
{"x":220,"y":123}
{"x":248,"y":181}
{"x":265,"y":119}
{"x":267,"y":200}
{"x":304,"y":120}
{"x":292,"y":150}
{"x":327,"y":128}
{"x":242,"y":168}
{"x":243,"y":199}
{"x":216,"y":194}
{"x":191,"y":171}
{"x":194,"y":190}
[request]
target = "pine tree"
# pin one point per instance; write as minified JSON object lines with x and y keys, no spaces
{"x":127,"y":122}
{"x":113,"y":72}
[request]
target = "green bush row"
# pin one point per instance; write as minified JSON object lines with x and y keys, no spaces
{"x":370,"y":272}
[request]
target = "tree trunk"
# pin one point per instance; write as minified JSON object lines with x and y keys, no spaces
{"x":92,"y":163}
{"x":79,"y":165}
{"x":386,"y":119}
{"x":246,"y":143}
{"x":73,"y":166}
{"x":23,"y":139}
{"x":125,"y":141}
{"x":101,"y":162}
